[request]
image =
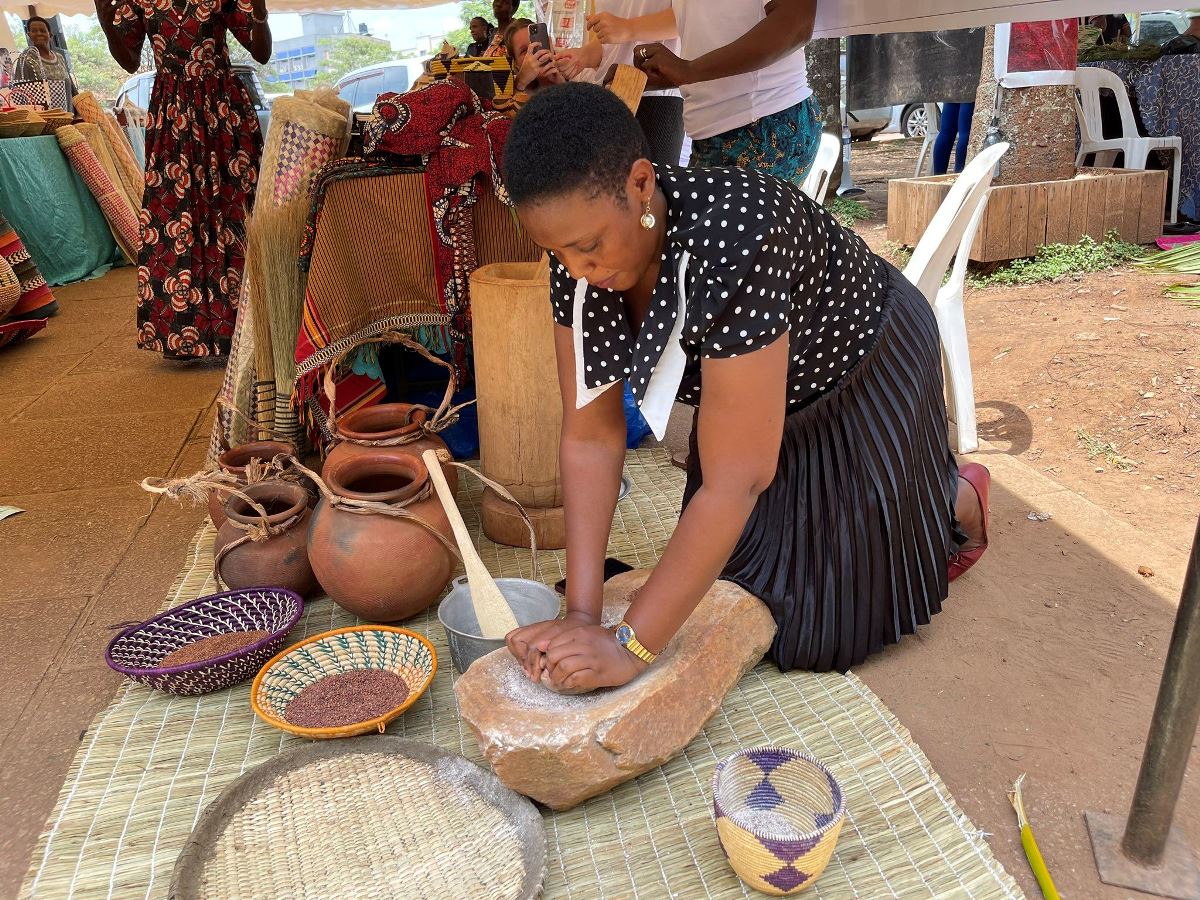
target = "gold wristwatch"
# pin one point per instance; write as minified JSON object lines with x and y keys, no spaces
{"x":626,"y":638}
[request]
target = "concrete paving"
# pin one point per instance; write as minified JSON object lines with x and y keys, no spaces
{"x":1045,"y":660}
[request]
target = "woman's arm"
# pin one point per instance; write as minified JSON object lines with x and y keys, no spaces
{"x":261,"y":43}
{"x":787,"y":26}
{"x":591,"y":456}
{"x":742,"y":409}
{"x":610,"y":29}
{"x":118,"y":43}
{"x":572,"y":61}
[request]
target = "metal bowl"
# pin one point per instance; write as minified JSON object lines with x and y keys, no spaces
{"x":531,"y":602}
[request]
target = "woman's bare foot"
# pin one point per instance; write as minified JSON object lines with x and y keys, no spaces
{"x":969,"y":511}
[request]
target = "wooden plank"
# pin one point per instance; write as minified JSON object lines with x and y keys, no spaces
{"x":897,"y":189}
{"x":1018,"y":219}
{"x":1035,"y":233}
{"x":1058,"y":211}
{"x":995,"y":241}
{"x":1114,"y":203}
{"x":1077,"y":221}
{"x":1097,"y":196}
{"x":1131,"y":220}
{"x":628,"y":83}
{"x":1154,"y":199}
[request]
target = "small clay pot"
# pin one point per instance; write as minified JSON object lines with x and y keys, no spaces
{"x":386,"y":422}
{"x":381,"y":568}
{"x":282,"y":559}
{"x":234,"y":462}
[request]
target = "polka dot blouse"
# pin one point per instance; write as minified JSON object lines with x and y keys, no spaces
{"x":757,"y":260}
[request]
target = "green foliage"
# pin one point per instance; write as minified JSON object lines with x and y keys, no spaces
{"x":1108,"y":451}
{"x":95,"y":69}
{"x":847,"y":212}
{"x":1055,"y":261}
{"x":350,"y":53}
{"x":469,"y":9}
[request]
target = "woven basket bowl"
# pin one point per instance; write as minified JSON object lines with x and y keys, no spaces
{"x":138,"y":652}
{"x":397,"y":650}
{"x":10,"y":288}
{"x":779,"y":813}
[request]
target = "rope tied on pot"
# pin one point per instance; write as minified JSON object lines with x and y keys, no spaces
{"x":437,"y":420}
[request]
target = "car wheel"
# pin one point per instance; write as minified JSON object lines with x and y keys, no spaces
{"x":914,"y":122}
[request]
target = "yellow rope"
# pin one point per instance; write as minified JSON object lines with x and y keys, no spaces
{"x":1032,"y":853}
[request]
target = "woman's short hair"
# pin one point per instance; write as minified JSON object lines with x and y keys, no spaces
{"x":486,"y":23}
{"x":29,"y":23}
{"x":569,"y":137}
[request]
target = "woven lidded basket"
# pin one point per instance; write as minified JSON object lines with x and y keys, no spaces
{"x":10,"y":288}
{"x":137,"y":652}
{"x":398,"y":650}
{"x":779,"y":813}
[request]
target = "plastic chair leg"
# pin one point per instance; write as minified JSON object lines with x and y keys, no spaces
{"x":952,"y":326}
{"x":1176,"y":175}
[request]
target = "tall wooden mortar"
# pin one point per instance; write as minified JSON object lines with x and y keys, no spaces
{"x":520,"y":413}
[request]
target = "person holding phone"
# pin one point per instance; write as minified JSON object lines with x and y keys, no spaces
{"x":740,"y":68}
{"x":531,"y":59}
{"x":821,"y":480}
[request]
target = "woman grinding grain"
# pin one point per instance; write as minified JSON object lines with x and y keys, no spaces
{"x":820,"y":478}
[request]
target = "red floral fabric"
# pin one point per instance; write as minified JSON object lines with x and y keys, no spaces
{"x":203,"y":145}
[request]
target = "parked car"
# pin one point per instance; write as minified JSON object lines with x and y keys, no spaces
{"x":907,"y":119}
{"x":362,"y":87}
{"x":1160,"y":27}
{"x":138,"y":89}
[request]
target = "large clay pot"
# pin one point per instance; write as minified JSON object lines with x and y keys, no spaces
{"x":282,"y":559}
{"x":399,"y":422}
{"x":234,"y":462}
{"x":381,"y":568}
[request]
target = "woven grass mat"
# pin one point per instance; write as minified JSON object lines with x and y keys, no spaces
{"x":150,"y":763}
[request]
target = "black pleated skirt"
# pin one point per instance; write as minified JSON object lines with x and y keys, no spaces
{"x":849,"y":545}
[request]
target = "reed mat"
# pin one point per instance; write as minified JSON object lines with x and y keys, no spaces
{"x":151,"y":762}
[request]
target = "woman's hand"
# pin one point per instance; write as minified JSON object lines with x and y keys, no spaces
{"x":260,"y":9}
{"x":611,"y":29}
{"x":569,"y":63}
{"x":529,"y":644}
{"x":662,"y":67}
{"x":106,"y":12}
{"x":589,"y":657}
{"x":538,"y":66}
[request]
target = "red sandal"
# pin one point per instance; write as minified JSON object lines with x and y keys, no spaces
{"x":981,"y":480}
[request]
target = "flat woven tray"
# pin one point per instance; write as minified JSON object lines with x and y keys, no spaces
{"x":365,"y":817}
{"x":150,"y":763}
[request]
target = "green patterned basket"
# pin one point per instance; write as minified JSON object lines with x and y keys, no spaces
{"x":397,"y":650}
{"x":779,"y":813}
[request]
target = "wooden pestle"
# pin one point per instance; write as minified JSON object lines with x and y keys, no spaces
{"x":495,"y":616}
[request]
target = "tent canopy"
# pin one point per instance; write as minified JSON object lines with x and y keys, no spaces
{"x":834,"y":17}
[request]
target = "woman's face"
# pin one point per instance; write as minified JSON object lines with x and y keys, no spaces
{"x":39,"y":35}
{"x":478,"y":31}
{"x":520,"y":47}
{"x":503,"y":10}
{"x":599,"y":238}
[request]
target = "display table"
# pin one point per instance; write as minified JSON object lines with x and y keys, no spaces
{"x":53,"y":211}
{"x":1166,"y":94}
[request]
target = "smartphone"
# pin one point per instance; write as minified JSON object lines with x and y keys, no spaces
{"x":539,"y":33}
{"x":612,"y":568}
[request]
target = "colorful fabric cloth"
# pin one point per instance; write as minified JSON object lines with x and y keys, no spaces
{"x":114,"y":205}
{"x":37,"y":301}
{"x":783,"y":144}
{"x":202,"y":147}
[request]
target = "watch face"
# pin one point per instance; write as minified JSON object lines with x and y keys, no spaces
{"x":624,"y":635}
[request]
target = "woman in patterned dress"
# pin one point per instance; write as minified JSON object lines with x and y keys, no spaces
{"x":202,"y":151}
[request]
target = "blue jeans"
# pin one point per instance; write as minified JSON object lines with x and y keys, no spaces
{"x":783,"y":144}
{"x":956,"y":121}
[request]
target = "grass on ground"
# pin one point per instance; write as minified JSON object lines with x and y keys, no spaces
{"x":1107,"y":450}
{"x":848,"y":212}
{"x":1057,"y":261}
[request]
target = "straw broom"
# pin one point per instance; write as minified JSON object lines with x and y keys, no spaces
{"x":263,"y":400}
{"x":1184,"y":260}
{"x":1032,"y":853}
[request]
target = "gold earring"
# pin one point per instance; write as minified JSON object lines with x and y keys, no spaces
{"x":648,"y":220}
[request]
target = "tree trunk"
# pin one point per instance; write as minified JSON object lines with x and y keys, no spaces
{"x":1039,"y":122}
{"x":823,"y":58}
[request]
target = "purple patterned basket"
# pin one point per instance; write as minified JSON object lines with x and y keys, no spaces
{"x":137,"y":651}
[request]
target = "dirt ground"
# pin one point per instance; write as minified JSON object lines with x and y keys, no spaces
{"x":1091,"y":380}
{"x":1044,"y":661}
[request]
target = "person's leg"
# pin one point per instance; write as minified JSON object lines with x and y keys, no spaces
{"x":966,"y":112}
{"x":661,"y":119}
{"x":945,"y":138}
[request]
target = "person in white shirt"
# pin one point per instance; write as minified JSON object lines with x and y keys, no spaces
{"x":661,"y":111}
{"x":740,"y":68}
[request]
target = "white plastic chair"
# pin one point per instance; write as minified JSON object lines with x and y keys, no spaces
{"x":1134,"y":148}
{"x":933,"y":119}
{"x":816,"y":183}
{"x":949,"y":237}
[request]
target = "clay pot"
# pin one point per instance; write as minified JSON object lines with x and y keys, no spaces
{"x":279,"y":561}
{"x":386,"y":422}
{"x":234,"y":462}
{"x":381,"y":568}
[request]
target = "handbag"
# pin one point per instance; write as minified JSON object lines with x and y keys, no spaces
{"x":45,"y":94}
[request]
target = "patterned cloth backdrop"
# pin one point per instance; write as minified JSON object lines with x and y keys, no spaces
{"x":1166,"y":95}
